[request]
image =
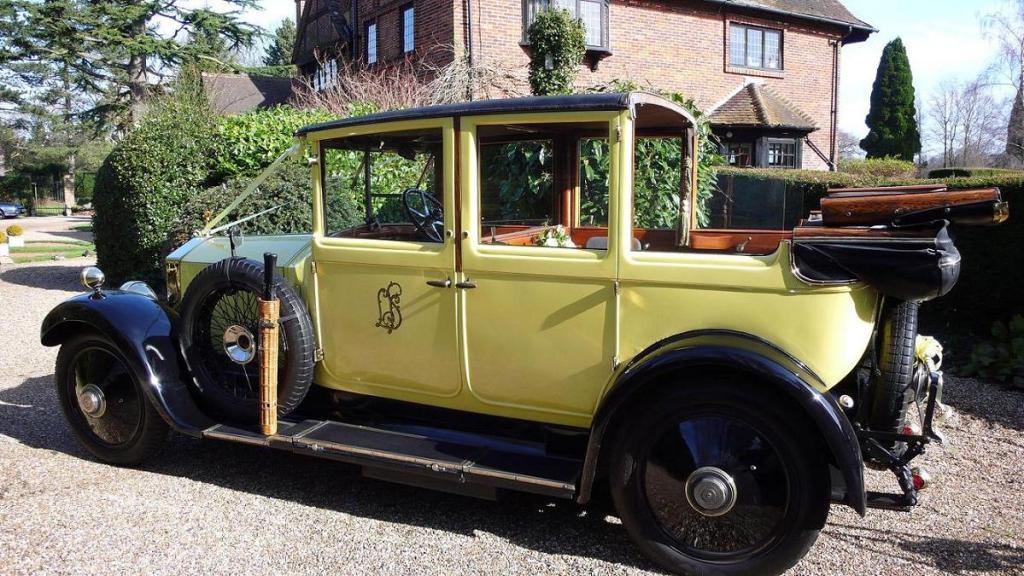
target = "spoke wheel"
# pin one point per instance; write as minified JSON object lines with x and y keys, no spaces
{"x":221,"y":317}
{"x":104,"y":402}
{"x":720,"y":478}
{"x":220,"y":338}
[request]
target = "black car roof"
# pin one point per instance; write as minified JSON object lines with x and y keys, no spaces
{"x":576,"y":103}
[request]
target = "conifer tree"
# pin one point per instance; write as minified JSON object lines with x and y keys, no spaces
{"x":279,"y":52}
{"x":116,"y":51}
{"x":892,"y":119}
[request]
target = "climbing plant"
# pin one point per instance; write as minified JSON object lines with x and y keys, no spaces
{"x":557,"y":46}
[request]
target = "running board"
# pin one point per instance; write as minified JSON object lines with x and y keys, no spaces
{"x":419,"y":459}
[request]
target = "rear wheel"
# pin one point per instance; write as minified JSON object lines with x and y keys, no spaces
{"x":891,"y":391}
{"x":720,"y":478}
{"x":104,"y":402}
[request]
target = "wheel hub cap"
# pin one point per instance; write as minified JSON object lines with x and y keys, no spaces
{"x":711,"y":491}
{"x":239,"y":344}
{"x":92,"y":402}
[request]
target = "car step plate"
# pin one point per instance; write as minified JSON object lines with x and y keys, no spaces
{"x":419,"y":455}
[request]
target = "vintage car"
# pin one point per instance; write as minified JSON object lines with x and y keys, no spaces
{"x":513,"y":307}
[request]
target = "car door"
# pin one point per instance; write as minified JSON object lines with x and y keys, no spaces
{"x":387,"y":318}
{"x":538,"y":323}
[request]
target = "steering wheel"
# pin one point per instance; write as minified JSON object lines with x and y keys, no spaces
{"x":428,"y":216}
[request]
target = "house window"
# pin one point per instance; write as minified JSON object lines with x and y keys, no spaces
{"x":371,"y":43}
{"x":751,"y":47}
{"x":326,"y":75}
{"x":408,"y":29}
{"x":783,"y":154}
{"x":593,"y":14}
{"x":739,"y":154}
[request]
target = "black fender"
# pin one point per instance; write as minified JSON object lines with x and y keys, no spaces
{"x":735,"y":351}
{"x":144,"y":331}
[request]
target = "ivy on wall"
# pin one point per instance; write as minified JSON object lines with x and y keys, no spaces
{"x":557,"y":46}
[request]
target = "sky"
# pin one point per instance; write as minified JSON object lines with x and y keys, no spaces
{"x":943,"y":38}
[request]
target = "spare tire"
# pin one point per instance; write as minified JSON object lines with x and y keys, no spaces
{"x":219,"y":332}
{"x":891,"y":391}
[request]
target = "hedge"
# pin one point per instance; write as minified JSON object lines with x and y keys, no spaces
{"x":991,"y":285}
{"x":248,"y":142}
{"x":970,"y":172}
{"x":288,"y":192}
{"x":144,"y":182}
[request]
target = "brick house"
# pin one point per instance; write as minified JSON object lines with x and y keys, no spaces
{"x":767,"y":71}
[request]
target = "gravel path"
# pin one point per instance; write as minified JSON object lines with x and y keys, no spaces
{"x":209,"y":507}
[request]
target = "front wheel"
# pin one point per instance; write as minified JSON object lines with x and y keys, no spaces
{"x":104,"y":403}
{"x":720,"y":478}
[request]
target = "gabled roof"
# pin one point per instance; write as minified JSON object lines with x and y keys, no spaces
{"x":323,"y":23}
{"x":757,"y":106}
{"x":824,"y":11}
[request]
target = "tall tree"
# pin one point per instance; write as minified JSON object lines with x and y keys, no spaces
{"x":1007,"y":26}
{"x":117,"y":51}
{"x":279,"y":52}
{"x":1015,"y":129}
{"x":892,"y":118}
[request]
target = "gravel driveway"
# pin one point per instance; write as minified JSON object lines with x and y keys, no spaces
{"x":209,"y":507}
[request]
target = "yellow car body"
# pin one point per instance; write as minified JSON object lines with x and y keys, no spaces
{"x":545,"y":334}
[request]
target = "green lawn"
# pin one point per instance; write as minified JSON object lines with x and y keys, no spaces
{"x":39,"y":251}
{"x":82,"y":228}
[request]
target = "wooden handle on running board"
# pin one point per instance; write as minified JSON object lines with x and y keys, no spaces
{"x":270,"y":313}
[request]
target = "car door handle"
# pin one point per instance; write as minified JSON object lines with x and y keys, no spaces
{"x":446,"y":283}
{"x":467,"y":285}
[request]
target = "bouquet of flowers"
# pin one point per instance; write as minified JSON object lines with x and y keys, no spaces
{"x":557,"y":237}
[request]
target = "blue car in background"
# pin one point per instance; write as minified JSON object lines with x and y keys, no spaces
{"x":11,"y":210}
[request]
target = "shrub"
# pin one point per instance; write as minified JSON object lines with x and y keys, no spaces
{"x":15,"y":230}
{"x":969,"y":172}
{"x":248,"y":142}
{"x":557,"y":46}
{"x":288,"y":190}
{"x":3,"y":237}
{"x":145,"y":180}
{"x":879,"y":168}
{"x":1002,"y":358}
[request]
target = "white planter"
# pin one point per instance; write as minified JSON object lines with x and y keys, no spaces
{"x":5,"y":250}
{"x":16,"y":241}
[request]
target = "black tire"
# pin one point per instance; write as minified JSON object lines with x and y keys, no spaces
{"x":226,"y":293}
{"x":780,"y":479}
{"x":892,"y":392}
{"x":129,"y":430}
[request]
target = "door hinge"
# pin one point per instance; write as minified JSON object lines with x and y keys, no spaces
{"x":312,"y":268}
{"x":618,"y":287}
{"x":318,"y":354}
{"x":615,"y":363}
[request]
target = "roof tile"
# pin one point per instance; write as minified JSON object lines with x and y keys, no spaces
{"x":756,"y":105}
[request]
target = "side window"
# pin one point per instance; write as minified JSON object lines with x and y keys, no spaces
{"x":518,"y":183}
{"x":545,"y":185}
{"x":660,"y":193}
{"x":384,"y":186}
{"x":594,"y":172}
